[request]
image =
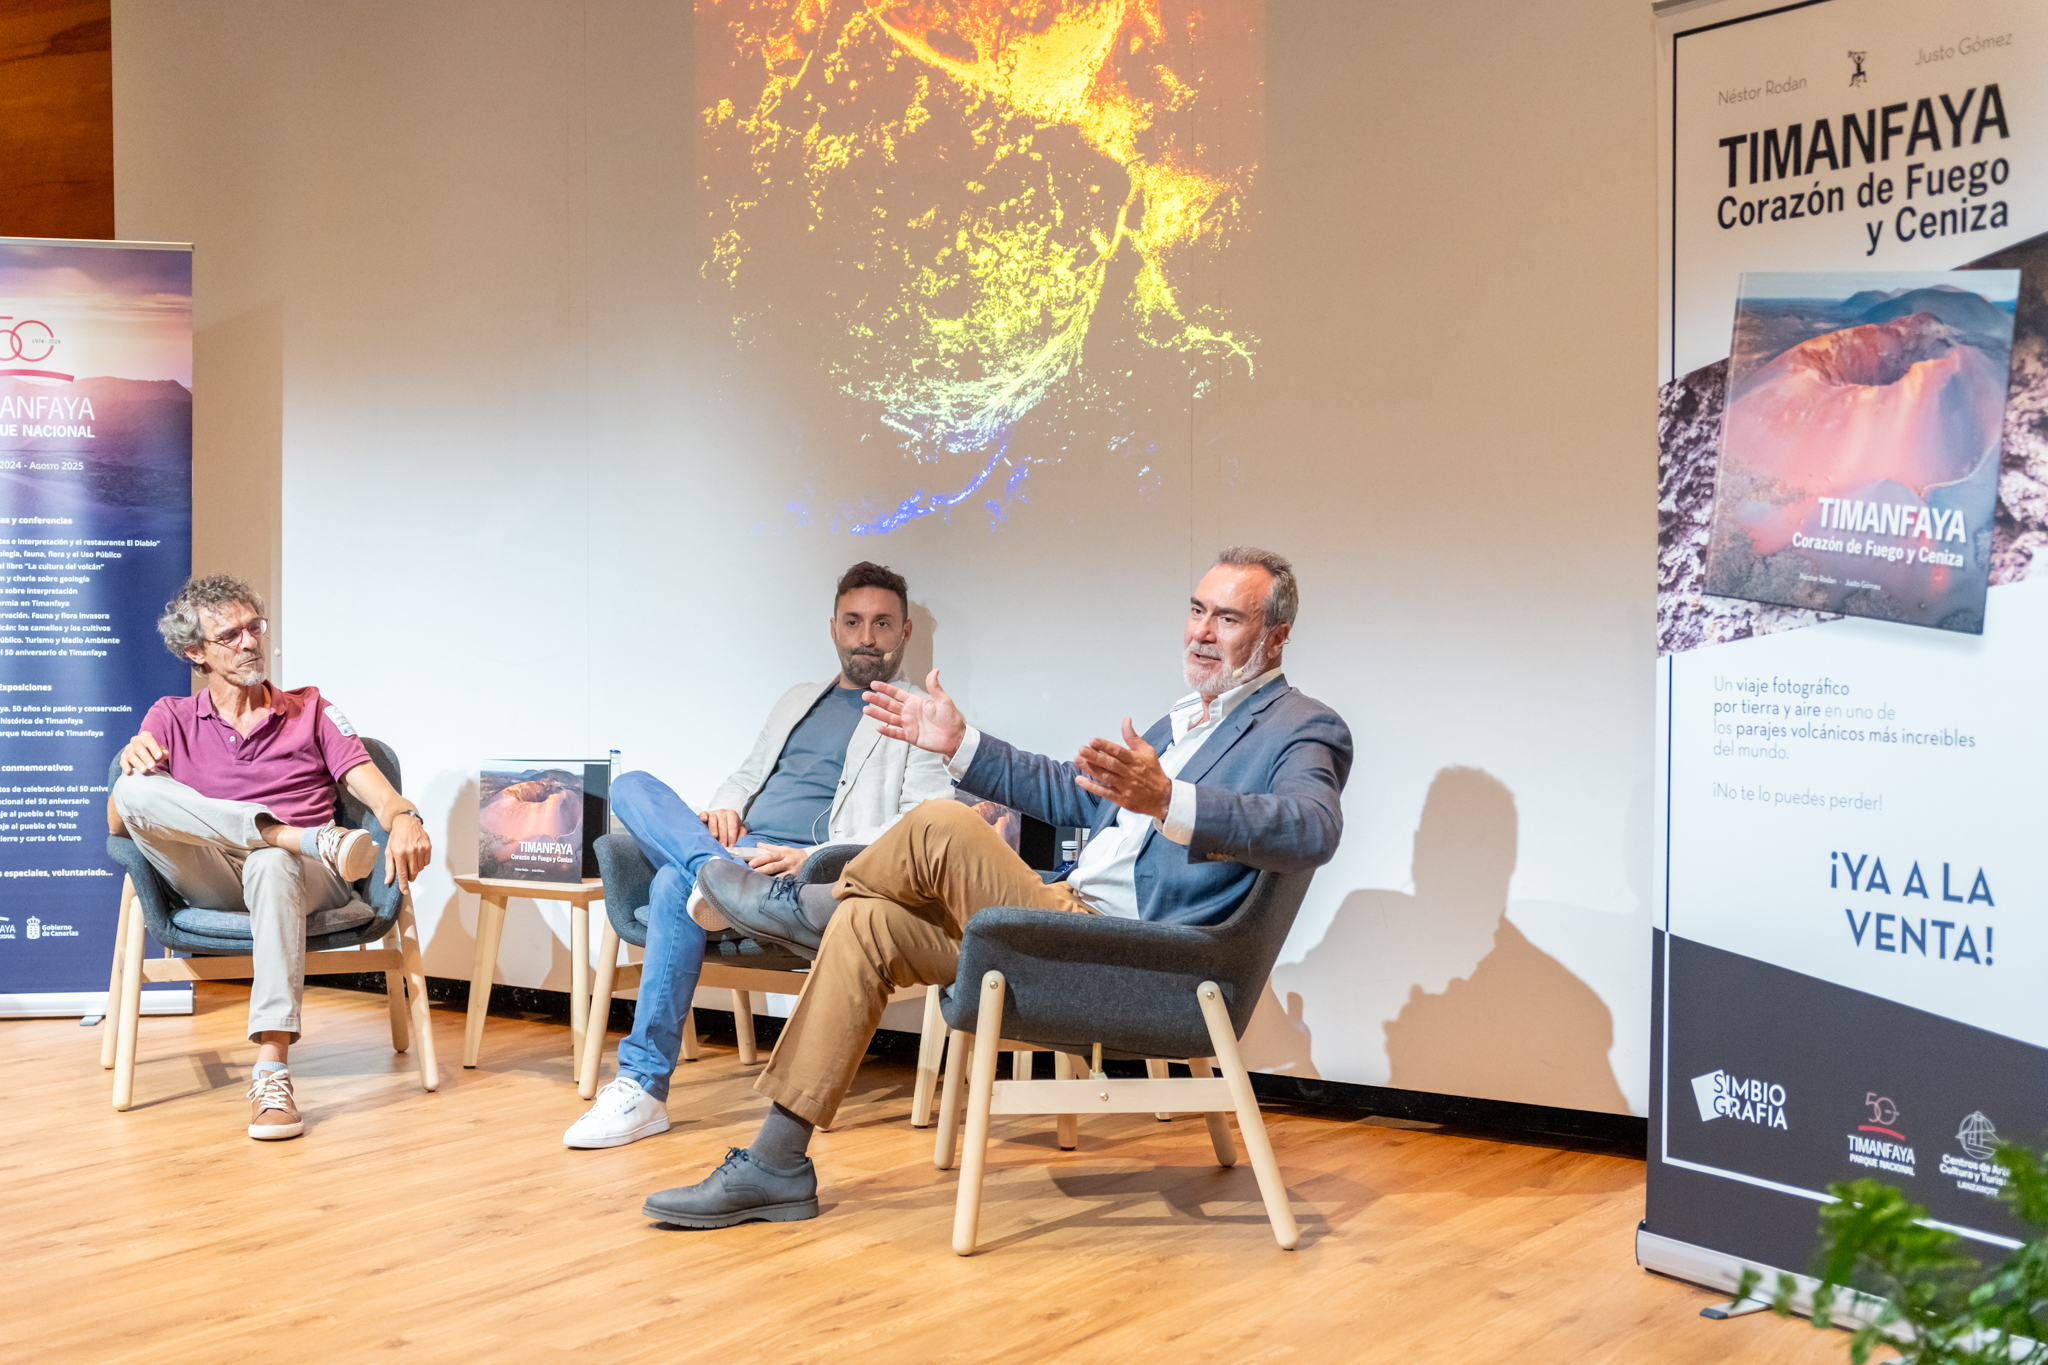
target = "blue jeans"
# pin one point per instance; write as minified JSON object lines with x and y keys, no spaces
{"x":678,"y":844}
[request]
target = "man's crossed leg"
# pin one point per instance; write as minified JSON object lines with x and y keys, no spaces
{"x":902,"y":906}
{"x":671,"y":836}
{"x":219,"y":855}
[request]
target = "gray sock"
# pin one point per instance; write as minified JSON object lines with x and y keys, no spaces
{"x":816,"y":903}
{"x":263,"y":1069}
{"x":781,"y":1142}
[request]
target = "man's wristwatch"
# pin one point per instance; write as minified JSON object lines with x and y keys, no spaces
{"x":414,"y":814}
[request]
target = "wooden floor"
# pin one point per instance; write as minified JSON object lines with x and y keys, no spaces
{"x":455,"y":1226}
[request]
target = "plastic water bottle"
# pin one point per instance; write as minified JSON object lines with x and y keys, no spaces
{"x":611,"y":807}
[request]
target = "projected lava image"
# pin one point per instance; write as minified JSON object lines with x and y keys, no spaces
{"x":978,"y":235}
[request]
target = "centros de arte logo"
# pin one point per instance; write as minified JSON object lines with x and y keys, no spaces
{"x":1978,"y":1136}
{"x":1722,"y":1096}
{"x":1976,"y":1171}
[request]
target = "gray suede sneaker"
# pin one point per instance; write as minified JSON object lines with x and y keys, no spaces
{"x":769,"y":909}
{"x":741,"y":1190}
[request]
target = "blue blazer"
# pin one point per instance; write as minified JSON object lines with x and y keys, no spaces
{"x":1267,"y":789}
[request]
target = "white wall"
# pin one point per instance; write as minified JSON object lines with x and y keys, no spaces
{"x":458,"y":407}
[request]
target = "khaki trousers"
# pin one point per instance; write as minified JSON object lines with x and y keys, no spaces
{"x":903,"y":904}
{"x":213,"y":854}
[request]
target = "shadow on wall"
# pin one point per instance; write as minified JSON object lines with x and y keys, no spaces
{"x":452,"y":943}
{"x":917,"y":655}
{"x":1466,"y":1004}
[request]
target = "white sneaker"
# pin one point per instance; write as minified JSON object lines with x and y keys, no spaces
{"x":706,"y":914}
{"x":622,"y":1112}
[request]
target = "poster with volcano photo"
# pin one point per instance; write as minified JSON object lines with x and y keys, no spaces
{"x":530,"y":821}
{"x":1860,"y":443}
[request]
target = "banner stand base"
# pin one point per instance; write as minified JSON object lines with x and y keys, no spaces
{"x":1718,"y":1270}
{"x":88,"y":1004}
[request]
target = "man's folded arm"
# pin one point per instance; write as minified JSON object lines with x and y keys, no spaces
{"x":1027,"y":782}
{"x":1293,"y":828}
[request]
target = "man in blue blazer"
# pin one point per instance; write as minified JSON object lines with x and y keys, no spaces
{"x":1243,"y":775}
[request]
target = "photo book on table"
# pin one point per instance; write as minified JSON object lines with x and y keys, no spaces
{"x":1858,"y":468}
{"x":538,"y":821}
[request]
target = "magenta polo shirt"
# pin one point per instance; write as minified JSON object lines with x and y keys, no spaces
{"x":290,"y":763}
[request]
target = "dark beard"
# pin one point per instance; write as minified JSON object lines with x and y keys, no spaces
{"x":865,"y":670}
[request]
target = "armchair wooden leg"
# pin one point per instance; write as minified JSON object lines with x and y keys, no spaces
{"x":1066,"y":1127}
{"x":980,"y":1097}
{"x":1155,"y":1069}
{"x":690,"y":1049}
{"x":931,"y":1044}
{"x":1219,"y":1127}
{"x":1250,"y":1124}
{"x":416,"y":987}
{"x":110,"y":1021}
{"x":490,"y":927}
{"x":600,"y":1012}
{"x":1020,"y":1064}
{"x":131,"y":1011}
{"x":394,"y":996}
{"x":743,"y":1025}
{"x":958,"y":1045}
{"x":579,"y":980}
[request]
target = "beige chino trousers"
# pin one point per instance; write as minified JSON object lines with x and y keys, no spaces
{"x":904,"y":902}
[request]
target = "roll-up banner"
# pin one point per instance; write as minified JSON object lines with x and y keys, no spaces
{"x":95,"y":535}
{"x":1852,"y":619}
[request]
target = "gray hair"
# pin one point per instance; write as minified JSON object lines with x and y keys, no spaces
{"x":179,"y":625}
{"x":1283,"y":598}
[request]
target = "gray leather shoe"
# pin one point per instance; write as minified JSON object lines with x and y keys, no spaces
{"x":740,"y":1191}
{"x":769,"y":909}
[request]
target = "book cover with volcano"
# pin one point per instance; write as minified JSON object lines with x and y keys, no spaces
{"x":530,"y":821}
{"x":1860,"y":443}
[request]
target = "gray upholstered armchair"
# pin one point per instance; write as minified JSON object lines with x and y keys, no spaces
{"x":731,"y":960}
{"x":1072,"y":983}
{"x":220,"y":941}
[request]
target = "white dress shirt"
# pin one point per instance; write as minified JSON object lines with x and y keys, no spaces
{"x":1106,"y":875}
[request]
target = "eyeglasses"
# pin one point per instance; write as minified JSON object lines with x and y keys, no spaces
{"x":252,"y":631}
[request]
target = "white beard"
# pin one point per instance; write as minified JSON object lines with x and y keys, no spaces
{"x":1214,"y":682}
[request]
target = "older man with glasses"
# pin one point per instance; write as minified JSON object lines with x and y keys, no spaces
{"x":230,"y":795}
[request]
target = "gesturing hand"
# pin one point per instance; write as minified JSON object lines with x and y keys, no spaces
{"x":931,"y":723}
{"x":1128,"y":774}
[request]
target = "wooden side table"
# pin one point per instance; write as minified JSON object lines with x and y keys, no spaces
{"x":492,"y":893}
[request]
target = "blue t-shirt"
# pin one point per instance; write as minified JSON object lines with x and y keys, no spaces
{"x":792,"y":807}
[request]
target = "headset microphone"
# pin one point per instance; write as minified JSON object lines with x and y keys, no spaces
{"x":1258,"y":657}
